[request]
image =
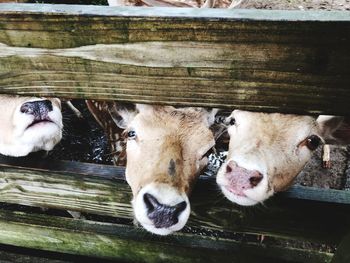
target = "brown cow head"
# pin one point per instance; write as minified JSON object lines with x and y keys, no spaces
{"x":165,"y":153}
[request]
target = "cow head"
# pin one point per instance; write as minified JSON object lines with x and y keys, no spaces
{"x":267,"y":151}
{"x":165,"y":153}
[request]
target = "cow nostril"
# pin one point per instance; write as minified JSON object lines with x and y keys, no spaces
{"x":161,"y":215}
{"x":151,"y":202}
{"x":255,"y":180}
{"x":179,"y":208}
{"x":230,"y":166}
{"x":27,"y":108}
{"x":40,"y":107}
{"x":46,"y":104}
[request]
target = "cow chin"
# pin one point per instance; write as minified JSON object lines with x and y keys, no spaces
{"x":33,"y":141}
{"x":166,"y":195}
{"x":27,"y":138}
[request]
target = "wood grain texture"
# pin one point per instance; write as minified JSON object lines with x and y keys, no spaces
{"x":249,"y":59}
{"x":127,"y":244}
{"x":89,"y":191}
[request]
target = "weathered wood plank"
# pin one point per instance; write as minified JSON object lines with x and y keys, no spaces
{"x":120,"y":242}
{"x":251,"y":59}
{"x":85,"y":191}
{"x":35,"y":162}
{"x":318,"y":194}
{"x":10,"y":254}
{"x":87,"y":194}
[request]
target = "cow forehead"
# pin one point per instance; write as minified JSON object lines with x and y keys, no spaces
{"x":172,"y":134}
{"x":178,"y":122}
{"x":272,"y":126}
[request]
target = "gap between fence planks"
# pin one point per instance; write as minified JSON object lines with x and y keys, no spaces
{"x":286,"y":61}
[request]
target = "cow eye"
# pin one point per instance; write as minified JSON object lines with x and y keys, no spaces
{"x":312,"y":142}
{"x":230,"y":121}
{"x":131,"y":135}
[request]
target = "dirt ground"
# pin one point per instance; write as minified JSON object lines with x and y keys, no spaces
{"x":337,"y":177}
{"x":297,"y":4}
{"x":267,"y":4}
{"x":249,"y":4}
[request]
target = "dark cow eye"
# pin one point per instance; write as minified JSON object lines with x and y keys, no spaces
{"x":131,"y":135}
{"x":230,"y":121}
{"x":312,"y":142}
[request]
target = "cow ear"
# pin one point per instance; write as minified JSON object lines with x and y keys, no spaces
{"x":334,"y":129}
{"x":122,"y":114}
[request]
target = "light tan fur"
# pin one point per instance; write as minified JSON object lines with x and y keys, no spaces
{"x":165,"y":157}
{"x":165,"y":133}
{"x":275,"y":146}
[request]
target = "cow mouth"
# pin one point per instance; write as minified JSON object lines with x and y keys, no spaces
{"x":235,"y":191}
{"x":41,"y":121}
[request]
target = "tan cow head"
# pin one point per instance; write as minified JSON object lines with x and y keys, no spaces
{"x":29,"y":124}
{"x":165,"y":153}
{"x":267,"y":151}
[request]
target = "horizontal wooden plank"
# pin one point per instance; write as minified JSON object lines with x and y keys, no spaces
{"x":11,"y":254}
{"x":87,"y":192}
{"x":35,"y":162}
{"x":120,"y":242}
{"x":318,"y":194}
{"x":250,"y":59}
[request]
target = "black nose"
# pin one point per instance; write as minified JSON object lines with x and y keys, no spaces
{"x":38,"y":108}
{"x":161,"y":215}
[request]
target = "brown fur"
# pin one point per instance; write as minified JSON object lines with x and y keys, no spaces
{"x":116,"y":139}
{"x":168,"y":133}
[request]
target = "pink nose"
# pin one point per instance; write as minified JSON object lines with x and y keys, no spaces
{"x":240,"y":179}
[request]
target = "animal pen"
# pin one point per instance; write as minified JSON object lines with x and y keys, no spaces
{"x":260,"y":60}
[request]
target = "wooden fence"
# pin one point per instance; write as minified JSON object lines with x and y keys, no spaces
{"x":285,"y":61}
